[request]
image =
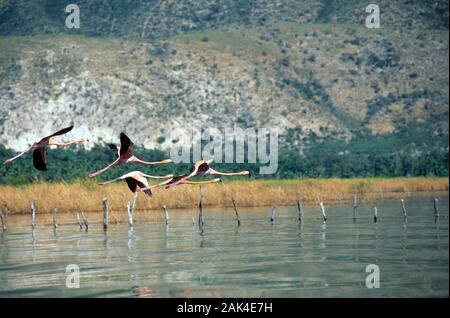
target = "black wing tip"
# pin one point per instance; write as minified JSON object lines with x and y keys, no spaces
{"x":124,"y":138}
{"x":66,"y":130}
{"x":39,"y":166}
{"x":39,"y":161}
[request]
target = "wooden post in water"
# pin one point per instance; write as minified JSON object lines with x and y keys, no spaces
{"x":33,"y":215}
{"x":166,"y":214}
{"x":200,"y":215}
{"x":79,"y":221}
{"x":403,"y":208}
{"x":436,"y":210}
{"x":85,"y":221}
{"x":130,"y":214}
{"x":3,"y":219}
{"x":55,"y":220}
{"x":105,"y":213}
{"x":300,"y":210}
{"x":375,"y":214}
{"x":355,"y":205}
{"x":322,"y":209}
{"x":272,"y":217}
{"x":236,"y":211}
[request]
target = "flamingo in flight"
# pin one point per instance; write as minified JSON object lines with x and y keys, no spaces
{"x":38,"y":148}
{"x":137,"y":181}
{"x":201,"y":168}
{"x":174,"y":181}
{"x":125,"y":155}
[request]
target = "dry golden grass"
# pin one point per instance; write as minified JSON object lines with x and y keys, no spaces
{"x":87,"y":196}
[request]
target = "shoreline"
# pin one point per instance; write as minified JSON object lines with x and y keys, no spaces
{"x":87,"y":196}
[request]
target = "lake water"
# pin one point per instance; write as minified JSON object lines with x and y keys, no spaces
{"x":257,"y":259}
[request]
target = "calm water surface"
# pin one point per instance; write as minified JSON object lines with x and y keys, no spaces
{"x":258,"y":259}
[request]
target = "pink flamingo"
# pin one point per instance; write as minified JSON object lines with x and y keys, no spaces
{"x":38,"y":148}
{"x":201,"y":168}
{"x":125,"y":155}
{"x":137,"y":181}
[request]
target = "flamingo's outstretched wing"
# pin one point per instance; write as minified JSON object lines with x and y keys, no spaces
{"x":195,"y":168}
{"x":8,"y":161}
{"x":126,"y":145}
{"x":39,"y":159}
{"x":133,"y":185}
{"x":203,"y":168}
{"x":60,"y":132}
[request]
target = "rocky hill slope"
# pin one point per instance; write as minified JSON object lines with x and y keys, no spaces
{"x":310,"y":68}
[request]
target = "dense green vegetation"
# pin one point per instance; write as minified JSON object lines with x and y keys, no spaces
{"x":375,"y":158}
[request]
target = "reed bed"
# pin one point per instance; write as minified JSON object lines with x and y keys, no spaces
{"x":87,"y":196}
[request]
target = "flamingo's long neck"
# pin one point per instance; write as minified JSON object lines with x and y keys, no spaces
{"x":116,"y":162}
{"x":110,"y":181}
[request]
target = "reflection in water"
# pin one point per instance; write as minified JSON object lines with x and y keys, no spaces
{"x":405,"y":240}
{"x":131,"y":244}
{"x":300,"y":234}
{"x":356,"y":242}
{"x":143,"y":291}
{"x":202,"y":238}
{"x":33,"y":243}
{"x":287,"y":259}
{"x":105,"y":246}
{"x":323,"y":235}
{"x":376,"y":231}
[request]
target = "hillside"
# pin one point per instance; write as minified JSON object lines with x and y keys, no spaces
{"x":310,"y":68}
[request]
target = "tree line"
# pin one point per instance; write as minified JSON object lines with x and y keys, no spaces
{"x":76,"y":163}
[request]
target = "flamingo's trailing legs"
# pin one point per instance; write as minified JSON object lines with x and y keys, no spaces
{"x":201,"y":168}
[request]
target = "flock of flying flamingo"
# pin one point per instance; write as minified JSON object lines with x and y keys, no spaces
{"x":136,"y":180}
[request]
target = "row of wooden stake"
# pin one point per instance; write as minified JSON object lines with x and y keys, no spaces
{"x":82,"y":219}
